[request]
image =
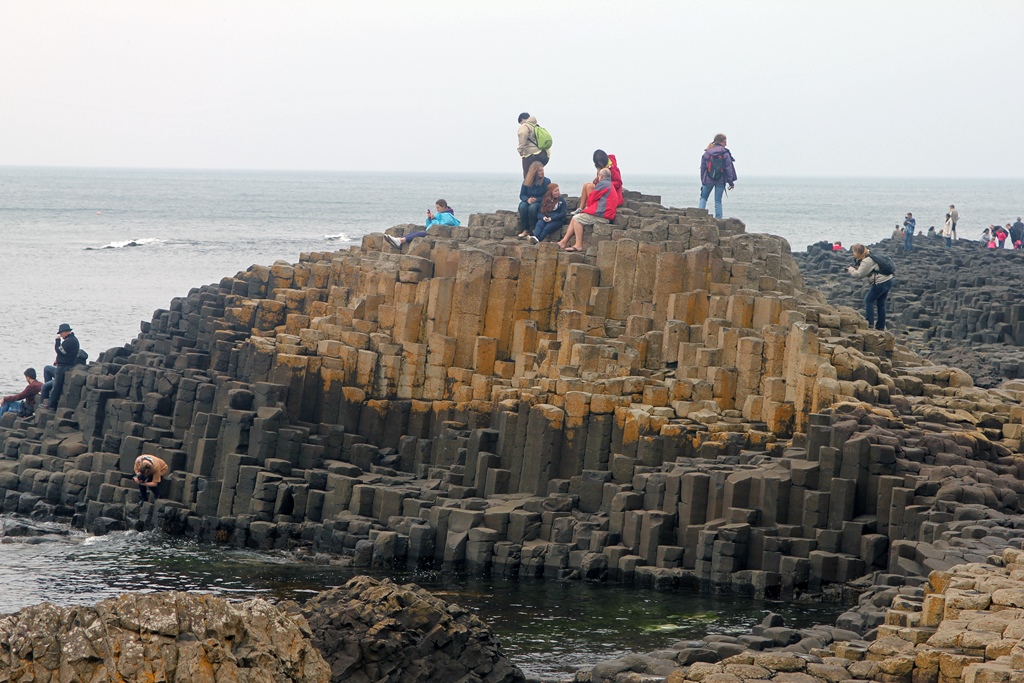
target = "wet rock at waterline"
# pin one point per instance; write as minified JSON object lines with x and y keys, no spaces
{"x":373,"y":630}
{"x":367,"y":631}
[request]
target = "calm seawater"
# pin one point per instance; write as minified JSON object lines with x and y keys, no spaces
{"x":546,"y":627}
{"x":63,"y":231}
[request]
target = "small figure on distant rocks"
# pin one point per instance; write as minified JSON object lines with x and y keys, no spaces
{"x":897,"y":233}
{"x":602,"y":203}
{"x":881,"y":284}
{"x":838,"y":246}
{"x":986,"y":236}
{"x":552,"y":214}
{"x":1015,"y":236}
{"x":931,"y":231}
{"x":1017,"y":232}
{"x":947,"y":231}
{"x":909,"y":224}
{"x":151,"y":474}
{"x":716,"y":171}
{"x":955,"y":216}
{"x":1001,"y":235}
{"x":66,"y":345}
{"x":445,"y":216}
{"x":24,"y":402}
{"x":529,"y":148}
{"x":530,"y":196}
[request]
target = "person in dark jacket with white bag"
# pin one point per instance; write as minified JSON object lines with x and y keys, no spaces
{"x":881,"y":284}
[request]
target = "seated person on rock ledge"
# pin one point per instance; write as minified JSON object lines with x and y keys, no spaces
{"x":49,"y":371}
{"x":23,"y":403}
{"x":600,"y":207}
{"x":535,"y":185}
{"x":151,"y":473}
{"x":601,"y":160}
{"x":552,"y":214}
{"x":445,"y":216}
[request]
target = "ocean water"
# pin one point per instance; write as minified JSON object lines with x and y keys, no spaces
{"x":548,"y":628}
{"x":103,"y":249}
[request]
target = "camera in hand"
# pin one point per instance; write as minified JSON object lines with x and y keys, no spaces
{"x":144,"y":478}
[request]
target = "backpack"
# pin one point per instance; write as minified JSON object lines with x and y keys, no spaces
{"x":886,"y":266}
{"x":543,"y":138}
{"x":716,"y":164}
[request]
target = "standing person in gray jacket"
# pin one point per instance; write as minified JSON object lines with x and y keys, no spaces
{"x":881,"y":285}
{"x":529,"y":151}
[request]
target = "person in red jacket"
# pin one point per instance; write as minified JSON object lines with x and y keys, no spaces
{"x":23,"y":403}
{"x":600,"y":207}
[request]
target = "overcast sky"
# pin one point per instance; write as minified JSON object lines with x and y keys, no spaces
{"x":840,"y":88}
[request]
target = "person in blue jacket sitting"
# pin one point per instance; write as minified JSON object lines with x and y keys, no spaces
{"x":445,"y":216}
{"x":552,"y":214}
{"x":530,"y":196}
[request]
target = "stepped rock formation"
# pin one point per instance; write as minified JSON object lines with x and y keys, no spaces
{"x":957,"y":306}
{"x":673,"y":407}
{"x":965,"y":625}
{"x":159,"y":637}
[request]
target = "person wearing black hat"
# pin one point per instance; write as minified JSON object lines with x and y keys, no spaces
{"x":66,"y":345}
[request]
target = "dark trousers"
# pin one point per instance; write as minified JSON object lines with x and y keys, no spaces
{"x":58,"y":385}
{"x":542,"y":158}
{"x":875,"y":298}
{"x":159,"y":491}
{"x":528,"y":214}
{"x":44,"y":393}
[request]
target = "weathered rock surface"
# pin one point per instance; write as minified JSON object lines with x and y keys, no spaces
{"x":675,"y":407}
{"x":958,"y":306}
{"x":372,"y":631}
{"x":159,"y":637}
{"x":965,"y":625}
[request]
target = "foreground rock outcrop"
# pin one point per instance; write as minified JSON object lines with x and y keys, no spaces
{"x":159,"y":637}
{"x":375,"y":631}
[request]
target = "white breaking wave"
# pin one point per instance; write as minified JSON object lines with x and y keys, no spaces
{"x":340,"y":237}
{"x":129,"y":243}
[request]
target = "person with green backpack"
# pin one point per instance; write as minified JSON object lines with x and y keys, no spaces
{"x":879,"y":269}
{"x":534,"y":142}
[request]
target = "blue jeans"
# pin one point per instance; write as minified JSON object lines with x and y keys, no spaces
{"x":705,"y":192}
{"x":876,"y":297}
{"x":949,"y":242}
{"x":544,"y":229}
{"x":16,"y":407}
{"x":908,"y":241}
{"x":528,"y":214}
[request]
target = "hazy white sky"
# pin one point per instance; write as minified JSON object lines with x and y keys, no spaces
{"x":843,"y":87}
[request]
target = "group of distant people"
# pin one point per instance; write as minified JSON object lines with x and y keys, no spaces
{"x":542,"y":206}
{"x":993,"y":237}
{"x":69,"y":353}
{"x":996,"y":236}
{"x":906,"y":233}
